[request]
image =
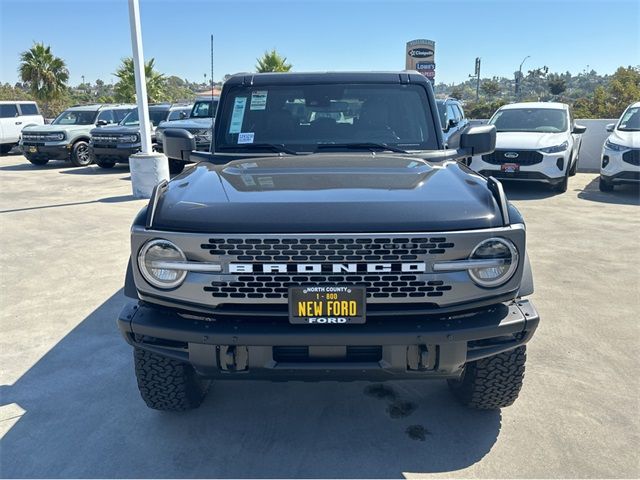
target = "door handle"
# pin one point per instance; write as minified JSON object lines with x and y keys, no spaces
{"x":18,"y":123}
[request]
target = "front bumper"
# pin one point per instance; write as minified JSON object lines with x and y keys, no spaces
{"x":384,"y":348}
{"x":551,"y":170}
{"x":49,"y":150}
{"x":118,"y":153}
{"x":615,"y":170}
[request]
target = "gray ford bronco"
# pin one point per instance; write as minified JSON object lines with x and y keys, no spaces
{"x":328,"y":235}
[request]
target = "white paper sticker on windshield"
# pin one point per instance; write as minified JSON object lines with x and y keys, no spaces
{"x":238,"y":115}
{"x":258,"y":100}
{"x":246,"y":137}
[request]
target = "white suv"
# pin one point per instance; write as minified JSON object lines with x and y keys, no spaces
{"x":621,"y":151}
{"x":14,"y":116}
{"x":535,"y":141}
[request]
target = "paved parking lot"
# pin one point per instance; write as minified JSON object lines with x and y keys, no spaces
{"x":70,"y":407}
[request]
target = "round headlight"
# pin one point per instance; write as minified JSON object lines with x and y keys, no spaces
{"x":129,"y":138}
{"x":153,"y":259}
{"x":494,"y":249}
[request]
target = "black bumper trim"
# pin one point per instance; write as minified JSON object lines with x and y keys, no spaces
{"x":622,"y":177}
{"x":522,"y":176}
{"x":58,"y":152}
{"x":121,"y":154}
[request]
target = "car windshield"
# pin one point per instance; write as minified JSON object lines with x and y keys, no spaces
{"x":204,"y":109}
{"x":543,"y":120}
{"x":305,"y":118}
{"x":155,"y":116}
{"x":76,"y":117}
{"x":179,"y":114}
{"x":630,"y":121}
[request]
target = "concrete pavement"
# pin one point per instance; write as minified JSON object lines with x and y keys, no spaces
{"x":70,"y":407}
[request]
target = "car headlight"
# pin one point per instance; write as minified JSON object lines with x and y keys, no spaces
{"x":157,"y":261}
{"x":203,"y":132}
{"x":159,"y":134}
{"x":557,"y":148}
{"x":129,"y":138}
{"x":494,"y":249}
{"x":614,"y":146}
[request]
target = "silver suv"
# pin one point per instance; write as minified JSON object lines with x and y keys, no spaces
{"x":67,"y":137}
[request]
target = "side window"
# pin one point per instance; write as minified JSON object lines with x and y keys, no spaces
{"x":460,"y":112}
{"x":120,"y":114}
{"x":106,"y":115}
{"x":9,"y":110}
{"x":29,"y":109}
{"x":451,"y":113}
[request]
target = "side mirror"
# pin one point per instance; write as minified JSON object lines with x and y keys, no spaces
{"x":479,"y":140}
{"x":579,"y":129}
{"x":183,"y":115}
{"x":178,"y":143}
{"x":101,"y":123}
{"x":452,"y":123}
{"x":610,"y":127}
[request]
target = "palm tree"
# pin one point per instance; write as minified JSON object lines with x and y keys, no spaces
{"x":46,"y":74}
{"x":125,"y":89}
{"x":272,"y":62}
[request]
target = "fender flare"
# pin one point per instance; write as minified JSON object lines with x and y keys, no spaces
{"x":526,"y":284}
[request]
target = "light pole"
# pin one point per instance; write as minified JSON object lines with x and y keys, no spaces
{"x":519,"y":79}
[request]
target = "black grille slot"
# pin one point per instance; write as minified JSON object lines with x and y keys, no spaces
{"x":277,"y":285}
{"x":353,"y":353}
{"x":524,"y":157}
{"x":632,"y":157}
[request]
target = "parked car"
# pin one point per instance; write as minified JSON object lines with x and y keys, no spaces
{"x":14,"y":116}
{"x":116,"y":143}
{"x":67,"y":137}
{"x":452,"y":120}
{"x":328,"y":250}
{"x":536,"y":142}
{"x":621,"y":151}
{"x":199,"y":124}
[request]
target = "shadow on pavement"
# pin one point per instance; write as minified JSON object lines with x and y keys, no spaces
{"x":119,"y":168}
{"x":118,"y":199}
{"x":621,"y":195}
{"x":527,"y":190}
{"x":26,"y":166}
{"x":84,"y":418}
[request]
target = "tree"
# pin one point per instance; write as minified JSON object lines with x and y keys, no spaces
{"x":125,"y":88}
{"x":272,"y":62}
{"x":557,"y":85}
{"x":46,"y":74}
{"x":491,"y":88}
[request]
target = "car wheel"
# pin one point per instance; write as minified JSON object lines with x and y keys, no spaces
{"x":167,"y":384}
{"x":106,"y":164}
{"x":4,"y":149}
{"x":563,"y":185}
{"x":37,"y":160}
{"x":493,"y":382}
{"x":574,"y":168}
{"x":81,"y":154}
{"x":175,"y":166}
{"x":605,"y":186}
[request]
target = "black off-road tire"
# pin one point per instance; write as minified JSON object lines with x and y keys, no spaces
{"x":39,"y":161}
{"x":493,"y":382}
{"x":81,"y":155}
{"x":105,"y":164}
{"x":4,"y":149}
{"x":605,"y":186}
{"x":166,"y":384}
{"x":176,"y":166}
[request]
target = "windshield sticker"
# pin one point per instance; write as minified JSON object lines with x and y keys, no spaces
{"x":246,"y":137}
{"x":248,"y":180}
{"x":238,"y":115}
{"x":258,"y":100}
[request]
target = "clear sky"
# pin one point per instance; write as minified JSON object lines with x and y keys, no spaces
{"x":93,"y":35}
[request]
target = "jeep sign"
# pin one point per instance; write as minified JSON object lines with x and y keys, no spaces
{"x":420,"y":56}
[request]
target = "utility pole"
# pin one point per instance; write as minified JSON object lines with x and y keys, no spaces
{"x":477,"y":75}
{"x":518,"y":86}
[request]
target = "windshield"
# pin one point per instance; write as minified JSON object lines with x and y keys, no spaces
{"x":630,"y":121}
{"x":155,"y":116}
{"x":204,"y":109}
{"x":543,"y":120}
{"x":179,"y":114}
{"x":76,"y":117}
{"x":304,"y":118}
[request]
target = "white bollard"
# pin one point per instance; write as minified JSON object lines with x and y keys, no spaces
{"x":147,"y":170}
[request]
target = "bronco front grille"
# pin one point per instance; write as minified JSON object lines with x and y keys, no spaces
{"x":327,"y":249}
{"x":525,"y":157}
{"x":277,"y":285}
{"x":632,"y":157}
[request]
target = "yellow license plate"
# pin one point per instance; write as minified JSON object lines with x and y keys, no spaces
{"x":33,"y":149}
{"x":327,"y":304}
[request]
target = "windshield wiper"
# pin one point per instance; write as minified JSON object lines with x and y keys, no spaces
{"x":361,"y":145}
{"x":274,"y":147}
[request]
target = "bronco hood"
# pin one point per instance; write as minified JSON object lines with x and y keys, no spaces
{"x":327,"y":193}
{"x":187,"y":123}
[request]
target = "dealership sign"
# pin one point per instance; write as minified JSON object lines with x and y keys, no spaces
{"x":420,"y":56}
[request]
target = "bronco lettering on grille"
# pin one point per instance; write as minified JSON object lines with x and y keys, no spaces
{"x":415,"y":267}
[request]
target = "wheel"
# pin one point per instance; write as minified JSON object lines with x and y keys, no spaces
{"x":493,"y":382}
{"x":105,"y":164}
{"x":563,"y":185}
{"x":4,"y":149}
{"x":80,"y":154}
{"x":176,"y":166}
{"x":605,"y":186}
{"x":574,"y":168}
{"x":166,"y":384}
{"x":37,"y":160}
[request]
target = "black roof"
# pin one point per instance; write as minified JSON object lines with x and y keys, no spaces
{"x":297,"y":78}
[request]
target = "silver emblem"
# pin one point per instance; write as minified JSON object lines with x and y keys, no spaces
{"x":511,"y":155}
